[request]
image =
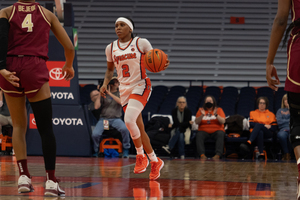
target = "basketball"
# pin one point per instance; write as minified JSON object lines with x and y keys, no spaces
{"x":155,"y":60}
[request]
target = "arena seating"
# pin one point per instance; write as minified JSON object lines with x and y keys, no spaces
{"x":231,"y":99}
{"x":197,"y":35}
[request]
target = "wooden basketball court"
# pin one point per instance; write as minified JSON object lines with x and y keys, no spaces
{"x":103,"y":178}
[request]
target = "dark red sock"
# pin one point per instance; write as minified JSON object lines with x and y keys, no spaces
{"x":51,"y":175}
{"x":298,"y":170}
{"x":22,"y":165}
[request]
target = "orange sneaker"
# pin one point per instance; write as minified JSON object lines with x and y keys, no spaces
{"x":139,"y":194}
{"x":155,"y":190}
{"x":141,"y":164}
{"x":155,"y":169}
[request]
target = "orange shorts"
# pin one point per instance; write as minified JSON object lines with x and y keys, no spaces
{"x":32,"y":72}
{"x":141,"y":91}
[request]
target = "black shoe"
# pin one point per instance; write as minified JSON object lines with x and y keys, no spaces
{"x":261,"y":158}
{"x":245,"y":147}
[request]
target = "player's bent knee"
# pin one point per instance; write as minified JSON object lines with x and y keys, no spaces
{"x":131,"y":126}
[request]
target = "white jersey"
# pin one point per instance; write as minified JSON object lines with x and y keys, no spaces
{"x":128,"y":59}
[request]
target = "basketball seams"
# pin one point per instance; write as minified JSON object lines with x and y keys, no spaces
{"x":161,"y":59}
{"x":147,"y":62}
{"x":158,"y":59}
{"x":153,"y":60}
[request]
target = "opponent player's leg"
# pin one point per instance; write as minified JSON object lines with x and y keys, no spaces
{"x":17,"y":109}
{"x":294,"y":103}
{"x":42,"y":109}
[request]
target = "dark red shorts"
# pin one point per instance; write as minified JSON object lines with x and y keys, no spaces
{"x":32,"y":72}
{"x":292,"y":83}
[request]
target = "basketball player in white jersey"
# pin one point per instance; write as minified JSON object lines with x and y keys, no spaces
{"x":127,"y":54}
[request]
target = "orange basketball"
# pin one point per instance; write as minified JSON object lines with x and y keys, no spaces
{"x":155,"y":60}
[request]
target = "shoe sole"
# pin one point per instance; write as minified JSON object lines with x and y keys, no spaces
{"x":49,"y":193}
{"x":141,"y":171}
{"x":24,"y":190}
{"x":153,"y":179}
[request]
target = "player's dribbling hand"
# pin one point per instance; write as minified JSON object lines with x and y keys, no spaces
{"x":103,"y":90}
{"x":167,"y":63}
{"x":10,"y":77}
{"x":68,"y":72}
{"x":270,"y":72}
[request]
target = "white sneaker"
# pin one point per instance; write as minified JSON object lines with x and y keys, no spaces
{"x":166,"y":148}
{"x":53,"y":189}
{"x":24,"y":184}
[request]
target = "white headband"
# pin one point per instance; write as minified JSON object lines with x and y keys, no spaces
{"x":128,"y":22}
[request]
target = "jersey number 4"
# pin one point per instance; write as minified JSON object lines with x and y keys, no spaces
{"x":27,"y":23}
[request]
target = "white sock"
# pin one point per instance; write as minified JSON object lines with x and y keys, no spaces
{"x":139,"y":150}
{"x":152,"y":157}
{"x":298,"y":161}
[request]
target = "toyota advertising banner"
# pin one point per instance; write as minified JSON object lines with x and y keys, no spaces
{"x":62,"y":92}
{"x":70,"y":130}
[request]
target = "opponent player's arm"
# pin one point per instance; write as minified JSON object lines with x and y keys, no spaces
{"x":278,"y":28}
{"x":65,"y":41}
{"x":4,"y":29}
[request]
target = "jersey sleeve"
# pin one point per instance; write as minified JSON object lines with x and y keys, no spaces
{"x":108,"y":53}
{"x":144,"y":45}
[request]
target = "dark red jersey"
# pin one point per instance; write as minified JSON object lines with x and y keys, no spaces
{"x":295,"y":12}
{"x":29,"y":30}
{"x":292,"y":83}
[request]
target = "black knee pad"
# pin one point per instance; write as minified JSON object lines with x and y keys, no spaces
{"x":295,"y":126}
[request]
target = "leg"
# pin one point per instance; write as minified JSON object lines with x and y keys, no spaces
{"x":96,"y":135}
{"x":200,"y":138}
{"x":42,"y":110}
{"x":294,"y":102}
{"x":282,"y":135}
{"x":133,"y":124}
{"x":219,"y":137}
{"x":255,"y":132}
{"x":260,"y":141}
{"x":144,"y":136}
{"x":120,"y":126}
{"x":17,"y":109}
{"x":181,"y":144}
{"x":174,"y":139}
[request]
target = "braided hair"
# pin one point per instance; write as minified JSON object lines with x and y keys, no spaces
{"x":295,"y":23}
